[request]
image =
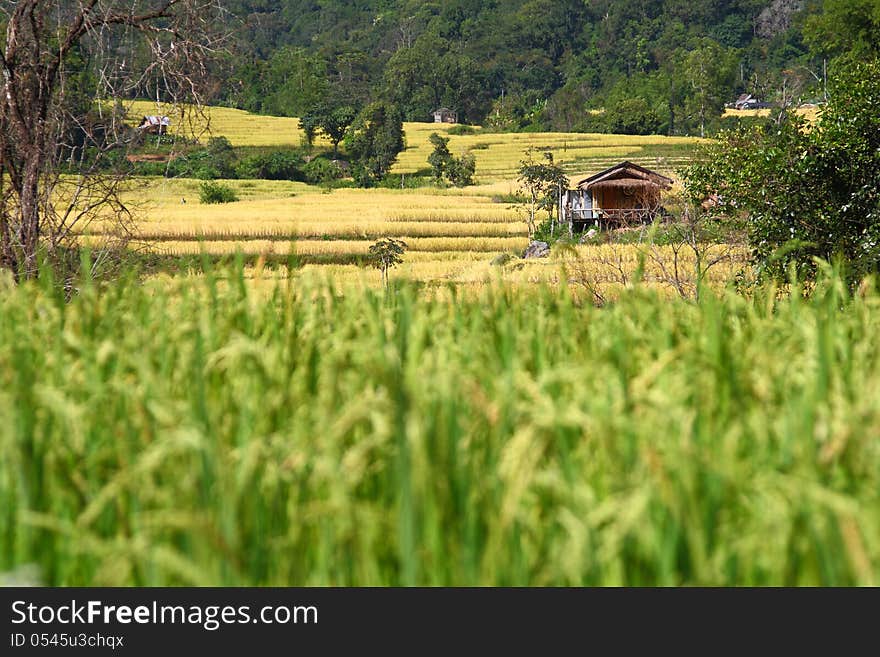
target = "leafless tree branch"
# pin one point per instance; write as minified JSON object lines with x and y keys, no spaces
{"x":68,"y":68}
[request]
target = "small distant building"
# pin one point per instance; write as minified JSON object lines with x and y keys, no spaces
{"x":445,"y":115}
{"x":155,"y":125}
{"x":625,"y":193}
{"x":749,"y":102}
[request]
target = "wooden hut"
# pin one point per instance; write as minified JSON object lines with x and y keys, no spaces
{"x":625,"y":193}
{"x":445,"y":115}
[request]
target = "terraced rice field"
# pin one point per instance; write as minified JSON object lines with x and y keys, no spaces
{"x":241,"y":128}
{"x":498,"y":155}
{"x":452,"y":234}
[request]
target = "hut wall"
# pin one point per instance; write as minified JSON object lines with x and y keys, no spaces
{"x":617,"y":198}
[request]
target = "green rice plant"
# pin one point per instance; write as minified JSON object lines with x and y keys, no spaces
{"x":218,"y":430}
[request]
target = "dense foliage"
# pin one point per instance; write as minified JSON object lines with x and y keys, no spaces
{"x":458,"y":171}
{"x":539,"y":64}
{"x":805,"y":191}
{"x":374,"y":141}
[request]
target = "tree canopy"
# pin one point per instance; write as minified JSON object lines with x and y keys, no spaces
{"x":539,"y":64}
{"x":374,"y":141}
{"x":804,"y":191}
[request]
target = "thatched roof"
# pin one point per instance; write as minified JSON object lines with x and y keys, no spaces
{"x":626,"y":174}
{"x":627,"y":183}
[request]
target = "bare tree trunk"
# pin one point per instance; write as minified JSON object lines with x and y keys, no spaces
{"x":49,"y":127}
{"x":533,"y":211}
{"x":29,"y":218}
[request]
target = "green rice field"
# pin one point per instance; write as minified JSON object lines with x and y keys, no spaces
{"x":209,"y":430}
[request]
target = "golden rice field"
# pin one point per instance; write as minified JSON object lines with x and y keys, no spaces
{"x":452,"y":234}
{"x":241,"y":128}
{"x":498,"y":155}
{"x":172,"y":207}
{"x":809,"y":112}
{"x":340,"y":247}
{"x":607,"y":269}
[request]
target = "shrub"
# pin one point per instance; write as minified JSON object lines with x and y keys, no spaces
{"x":461,"y":170}
{"x":551,"y":232}
{"x":220,"y":158}
{"x":277,"y":165}
{"x":213,"y":193}
{"x":211,"y":163}
{"x":321,"y":170}
{"x":460,"y":130}
{"x":502,"y":259}
{"x":206,"y":172}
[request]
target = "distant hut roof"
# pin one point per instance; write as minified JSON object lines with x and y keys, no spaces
{"x":155,"y":120}
{"x":626,"y":174}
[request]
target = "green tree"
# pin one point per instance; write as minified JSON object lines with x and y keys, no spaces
{"x":375,"y":140}
{"x":440,"y":157}
{"x":843,"y":26}
{"x":433,"y":72}
{"x":310,"y":123}
{"x":385,"y":254}
{"x":333,"y":116}
{"x":292,"y":80}
{"x":221,"y":157}
{"x":710,"y":70}
{"x":633,"y":116}
{"x":549,"y":25}
{"x":805,"y":191}
{"x":459,"y":171}
{"x":541,"y":182}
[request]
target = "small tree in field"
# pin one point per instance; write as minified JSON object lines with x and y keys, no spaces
{"x":212,"y":192}
{"x":385,"y":254}
{"x":458,"y":170}
{"x":440,"y":157}
{"x":542,"y":183}
{"x":462,"y":169}
{"x":310,"y":123}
